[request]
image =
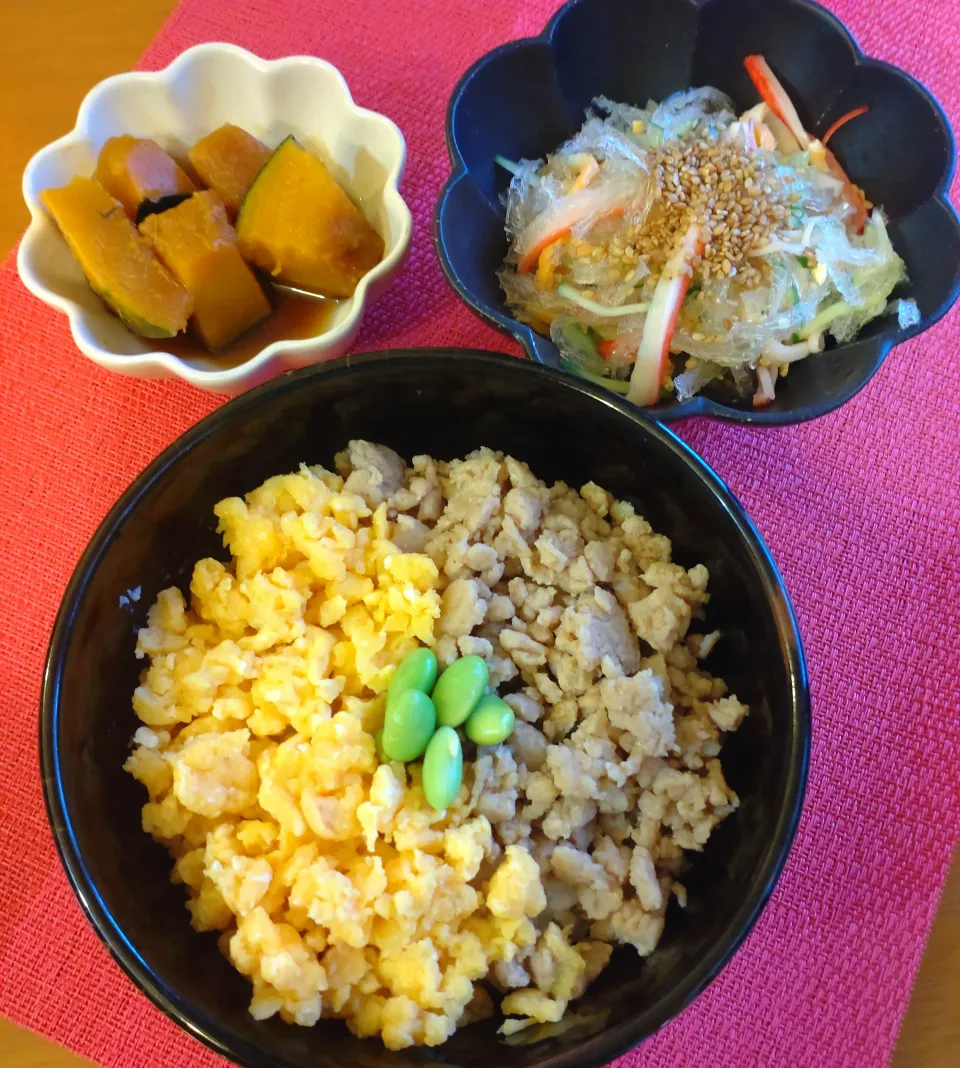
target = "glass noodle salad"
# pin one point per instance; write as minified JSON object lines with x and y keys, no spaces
{"x":735,"y":244}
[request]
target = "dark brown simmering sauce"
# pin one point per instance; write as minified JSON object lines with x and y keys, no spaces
{"x":294,"y":317}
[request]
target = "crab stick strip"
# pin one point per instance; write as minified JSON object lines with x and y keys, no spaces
{"x":668,"y":296}
{"x":562,"y":216}
{"x":775,"y":97}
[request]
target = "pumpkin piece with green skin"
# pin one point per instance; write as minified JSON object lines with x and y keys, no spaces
{"x":228,"y":160}
{"x":117,"y":262}
{"x":135,"y":169}
{"x":197,"y":243}
{"x":300,"y":226}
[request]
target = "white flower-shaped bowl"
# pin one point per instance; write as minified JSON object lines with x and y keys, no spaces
{"x":203,"y":88}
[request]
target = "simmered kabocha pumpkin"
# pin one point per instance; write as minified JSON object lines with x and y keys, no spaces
{"x":195,"y":240}
{"x":118,"y":263}
{"x":299,"y":225}
{"x":227,"y":161}
{"x":135,"y":169}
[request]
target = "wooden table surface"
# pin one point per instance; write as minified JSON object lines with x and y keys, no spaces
{"x":43,"y":77}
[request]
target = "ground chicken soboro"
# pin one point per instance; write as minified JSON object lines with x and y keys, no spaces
{"x":337,"y":889}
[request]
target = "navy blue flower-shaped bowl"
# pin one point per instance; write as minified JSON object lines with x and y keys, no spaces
{"x":525,"y":98}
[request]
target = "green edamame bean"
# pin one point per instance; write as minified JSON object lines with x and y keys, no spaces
{"x":491,"y":722}
{"x":443,"y":768}
{"x":417,"y":671}
{"x":458,"y":689}
{"x":408,"y":725}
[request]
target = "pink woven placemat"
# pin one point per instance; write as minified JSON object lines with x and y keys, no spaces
{"x":860,"y":510}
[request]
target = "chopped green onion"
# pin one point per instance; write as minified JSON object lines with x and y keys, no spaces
{"x":797,"y":212}
{"x":603,"y":310}
{"x":803,"y":261}
{"x":507,"y":164}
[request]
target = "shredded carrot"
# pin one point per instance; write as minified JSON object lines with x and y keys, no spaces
{"x":843,"y":120}
{"x":606,"y":348}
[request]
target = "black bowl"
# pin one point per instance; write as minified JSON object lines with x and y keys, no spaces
{"x":523,"y":99}
{"x":445,"y":403}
